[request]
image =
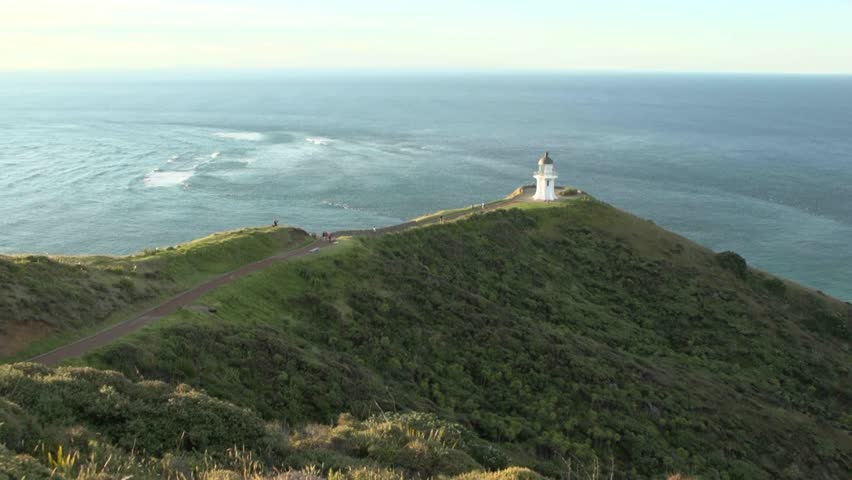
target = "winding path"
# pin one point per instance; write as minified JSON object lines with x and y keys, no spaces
{"x":87,"y":344}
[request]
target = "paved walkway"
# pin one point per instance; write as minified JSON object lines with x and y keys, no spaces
{"x":85,"y":345}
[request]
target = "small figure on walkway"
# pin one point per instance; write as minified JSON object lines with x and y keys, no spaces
{"x":275,"y":222}
{"x":482,"y":205}
{"x":374,"y":229}
{"x":442,"y":219}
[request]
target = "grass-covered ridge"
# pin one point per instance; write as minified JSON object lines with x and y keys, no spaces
{"x":568,"y":340}
{"x":576,"y":333}
{"x":47,"y":300}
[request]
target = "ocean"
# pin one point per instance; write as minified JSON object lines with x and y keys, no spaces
{"x":115,"y":163}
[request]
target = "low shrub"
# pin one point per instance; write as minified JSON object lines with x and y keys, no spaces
{"x":775,"y":286}
{"x":513,"y":473}
{"x":733,"y":262}
{"x":148,"y":416}
{"x":19,"y":467}
{"x":18,"y":430}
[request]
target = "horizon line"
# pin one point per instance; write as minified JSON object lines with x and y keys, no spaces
{"x":409,"y":70}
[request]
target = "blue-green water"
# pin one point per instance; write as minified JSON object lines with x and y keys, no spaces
{"x":115,"y":163}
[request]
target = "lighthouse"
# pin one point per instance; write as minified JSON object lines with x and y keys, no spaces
{"x":545,"y":179}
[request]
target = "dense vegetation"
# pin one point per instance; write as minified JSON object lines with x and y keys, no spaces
{"x":54,"y":299}
{"x":153,"y":430}
{"x":575,"y":340}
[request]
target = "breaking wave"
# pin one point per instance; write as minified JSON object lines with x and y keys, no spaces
{"x":159,"y":178}
{"x":344,"y":206}
{"x":318,"y":140}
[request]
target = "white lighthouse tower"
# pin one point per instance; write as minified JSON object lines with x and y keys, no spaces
{"x":545,"y":179}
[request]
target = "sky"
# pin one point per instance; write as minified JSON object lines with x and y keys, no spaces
{"x":789,"y":36}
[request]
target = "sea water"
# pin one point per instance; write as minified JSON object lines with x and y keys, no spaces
{"x":114,"y":163}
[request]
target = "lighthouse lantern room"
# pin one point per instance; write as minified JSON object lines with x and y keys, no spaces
{"x":545,"y":179}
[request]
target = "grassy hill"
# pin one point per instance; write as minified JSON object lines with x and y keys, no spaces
{"x":571,"y":341}
{"x":46,"y":301}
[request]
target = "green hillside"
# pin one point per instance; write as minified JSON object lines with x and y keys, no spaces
{"x":572,"y":341}
{"x":46,"y":301}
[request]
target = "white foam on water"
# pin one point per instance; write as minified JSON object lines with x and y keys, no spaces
{"x":318,"y":140}
{"x":435,"y":148}
{"x":215,"y":155}
{"x":341,"y":205}
{"x":202,"y":160}
{"x":344,"y":206}
{"x":157,"y":178}
{"x":247,"y":136}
